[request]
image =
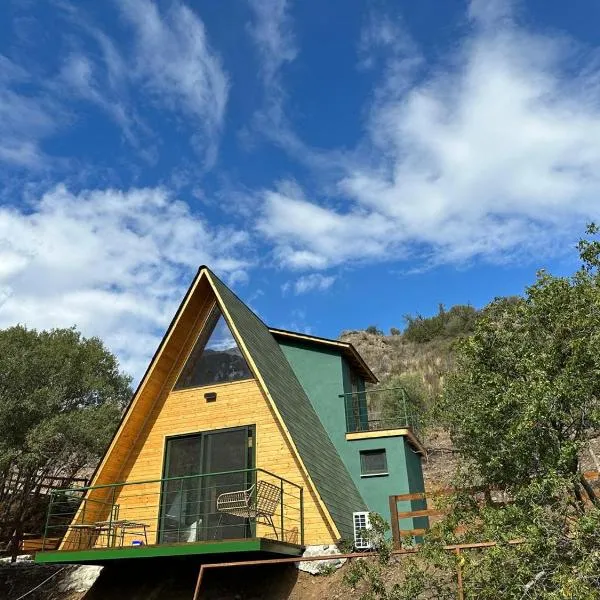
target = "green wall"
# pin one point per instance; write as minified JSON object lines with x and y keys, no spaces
{"x":325,"y":375}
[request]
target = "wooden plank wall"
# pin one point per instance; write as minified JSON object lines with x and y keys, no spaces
{"x":237,"y":404}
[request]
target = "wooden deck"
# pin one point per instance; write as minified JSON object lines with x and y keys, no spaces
{"x":240,"y":547}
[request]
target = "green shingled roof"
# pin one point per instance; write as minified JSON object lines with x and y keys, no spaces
{"x":324,"y":465}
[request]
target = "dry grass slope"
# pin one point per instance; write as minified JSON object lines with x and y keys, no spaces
{"x":390,"y":355}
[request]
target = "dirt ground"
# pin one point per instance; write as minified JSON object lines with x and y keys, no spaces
{"x":176,"y":581}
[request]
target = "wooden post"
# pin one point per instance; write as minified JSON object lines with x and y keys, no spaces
{"x":394,"y":522}
{"x":459,"y":576}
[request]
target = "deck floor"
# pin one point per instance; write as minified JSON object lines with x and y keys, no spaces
{"x":102,"y":555}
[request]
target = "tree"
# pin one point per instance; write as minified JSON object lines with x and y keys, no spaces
{"x":61,"y":397}
{"x":447,"y":324}
{"x":524,"y":399}
{"x":521,"y":407}
{"x":373,"y":329}
{"x":403,"y":400}
{"x":395,"y":331}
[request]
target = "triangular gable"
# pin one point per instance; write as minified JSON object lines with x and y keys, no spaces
{"x":321,"y":463}
{"x":324,"y":467}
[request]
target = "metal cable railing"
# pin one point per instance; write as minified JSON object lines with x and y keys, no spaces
{"x":379,"y":409}
{"x":241,"y":504}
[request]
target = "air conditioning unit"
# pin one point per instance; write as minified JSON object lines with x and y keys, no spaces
{"x":361,"y":524}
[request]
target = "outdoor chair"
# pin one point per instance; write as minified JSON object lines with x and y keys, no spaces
{"x":259,"y":501}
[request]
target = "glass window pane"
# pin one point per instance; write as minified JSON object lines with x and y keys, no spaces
{"x":216,"y":358}
{"x":373,"y":462}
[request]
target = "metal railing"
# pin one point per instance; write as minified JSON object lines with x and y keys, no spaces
{"x":207,"y":507}
{"x":378,"y":409}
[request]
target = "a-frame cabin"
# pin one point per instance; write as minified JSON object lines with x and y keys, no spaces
{"x":239,"y":439}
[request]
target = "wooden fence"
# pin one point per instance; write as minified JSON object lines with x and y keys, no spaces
{"x":434,"y":514}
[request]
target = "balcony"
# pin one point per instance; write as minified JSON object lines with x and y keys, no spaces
{"x":378,"y":410}
{"x":249,"y":510}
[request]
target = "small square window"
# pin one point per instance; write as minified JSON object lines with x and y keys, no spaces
{"x":373,"y":462}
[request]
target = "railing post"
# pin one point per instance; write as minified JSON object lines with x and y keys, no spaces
{"x":47,"y":520}
{"x":459,"y":576}
{"x":109,"y":536}
{"x":281,"y":508}
{"x":395,"y":523}
{"x":181,"y":512}
{"x":81,"y":534}
{"x":406,"y":423}
{"x":302,"y":516}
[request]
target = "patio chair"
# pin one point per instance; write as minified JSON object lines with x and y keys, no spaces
{"x":259,"y":501}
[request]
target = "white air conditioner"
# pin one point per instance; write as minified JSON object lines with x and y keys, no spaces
{"x":361,"y":524}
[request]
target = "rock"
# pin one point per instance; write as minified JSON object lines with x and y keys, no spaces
{"x":20,"y":559}
{"x":80,"y":579}
{"x":315,"y":567}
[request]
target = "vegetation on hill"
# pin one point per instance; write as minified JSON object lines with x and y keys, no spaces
{"x":61,"y":397}
{"x":422,"y":351}
{"x":447,"y":324}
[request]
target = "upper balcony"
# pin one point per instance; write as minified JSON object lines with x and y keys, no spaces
{"x":380,"y":409}
{"x":249,"y":510}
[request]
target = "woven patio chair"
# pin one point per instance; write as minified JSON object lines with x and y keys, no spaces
{"x":259,"y":501}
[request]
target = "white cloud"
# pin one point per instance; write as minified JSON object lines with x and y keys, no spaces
{"x":79,"y":76}
{"x":25,"y":119}
{"x":272,"y":32}
{"x":273,"y":35}
{"x":315,"y":282}
{"x":493,"y":152}
{"x":177,"y":66}
{"x":309,"y":236}
{"x":169,"y":64}
{"x":114,"y":263}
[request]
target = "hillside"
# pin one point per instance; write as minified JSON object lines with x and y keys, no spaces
{"x":389,"y":355}
{"x":424,"y":348}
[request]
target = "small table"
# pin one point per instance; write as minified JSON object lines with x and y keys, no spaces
{"x":108,"y":528}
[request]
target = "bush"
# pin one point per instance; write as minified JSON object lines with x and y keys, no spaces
{"x":374,"y":330}
{"x":456,"y":322}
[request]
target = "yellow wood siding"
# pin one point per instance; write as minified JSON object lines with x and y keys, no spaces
{"x":186,"y":411}
{"x":237,"y":404}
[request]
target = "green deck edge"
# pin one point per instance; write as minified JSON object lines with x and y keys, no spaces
{"x":97,"y":555}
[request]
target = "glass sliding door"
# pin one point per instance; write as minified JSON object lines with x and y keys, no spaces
{"x":189,"y":503}
{"x":181,"y":504}
{"x":225,"y":453}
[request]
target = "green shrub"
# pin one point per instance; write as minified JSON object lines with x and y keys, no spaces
{"x":456,"y":322}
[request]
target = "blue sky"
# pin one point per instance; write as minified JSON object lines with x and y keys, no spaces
{"x":338,"y":163}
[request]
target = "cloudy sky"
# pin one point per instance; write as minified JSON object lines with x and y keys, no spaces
{"x":339,"y":163}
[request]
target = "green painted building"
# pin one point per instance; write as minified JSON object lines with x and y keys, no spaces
{"x":380,"y":451}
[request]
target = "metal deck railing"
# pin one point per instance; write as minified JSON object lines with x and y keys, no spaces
{"x":207,"y":507}
{"x":378,"y":409}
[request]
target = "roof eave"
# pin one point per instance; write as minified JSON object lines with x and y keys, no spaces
{"x":346,"y":347}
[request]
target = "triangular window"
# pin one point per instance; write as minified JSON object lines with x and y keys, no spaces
{"x":216,"y":357}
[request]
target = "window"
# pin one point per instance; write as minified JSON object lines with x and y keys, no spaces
{"x":373,"y":462}
{"x":215,"y":358}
